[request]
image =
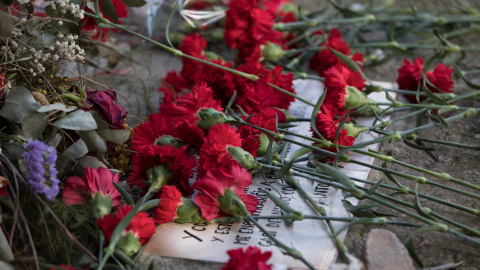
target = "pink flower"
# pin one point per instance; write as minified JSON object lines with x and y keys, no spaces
{"x":215,"y":184}
{"x":78,"y":189}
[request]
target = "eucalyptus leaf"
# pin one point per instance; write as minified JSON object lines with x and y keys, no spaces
{"x":13,"y":150}
{"x":94,"y":142}
{"x":33,"y":125}
{"x":23,"y":2}
{"x":116,"y":136}
{"x":19,"y":104}
{"x":100,"y":123}
{"x":52,"y":107}
{"x":87,"y":161}
{"x":76,"y":150}
{"x":7,"y":23}
{"x":78,"y":120}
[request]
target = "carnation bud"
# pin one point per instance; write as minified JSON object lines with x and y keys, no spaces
{"x":169,"y":140}
{"x":231,"y":204}
{"x":129,"y":244}
{"x":209,"y":117}
{"x":158,"y":176}
{"x":354,"y":98}
{"x":272,"y":51}
{"x":189,"y":212}
{"x":263,"y":149}
{"x":367,"y":110}
{"x":353,"y":129}
{"x":103,"y":204}
{"x":243,"y":157}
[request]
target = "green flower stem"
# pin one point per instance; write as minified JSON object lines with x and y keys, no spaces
{"x":319,"y":178}
{"x":313,"y":23}
{"x":465,"y":96}
{"x":440,"y":20}
{"x":407,"y":190}
{"x":413,"y":137}
{"x":289,"y":250}
{"x":364,"y":195}
{"x":345,"y":158}
{"x":391,"y":198}
{"x":420,"y":105}
{"x":388,"y":123}
{"x":442,"y":176}
{"x":342,"y":249}
{"x":181,"y":54}
{"x":460,"y":32}
{"x":342,"y":219}
{"x":464,"y":114}
{"x":404,"y":46}
{"x":117,"y":233}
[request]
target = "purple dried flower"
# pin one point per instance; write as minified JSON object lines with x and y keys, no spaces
{"x":40,"y":162}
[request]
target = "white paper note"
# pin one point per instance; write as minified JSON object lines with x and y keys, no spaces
{"x":310,"y":237}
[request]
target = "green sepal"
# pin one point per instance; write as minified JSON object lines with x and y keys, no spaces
{"x":129,"y":244}
{"x":243,"y":157}
{"x":354,"y":98}
{"x":231,"y":204}
{"x":189,"y":212}
{"x":209,"y":117}
{"x":103,"y":204}
{"x":158,"y":176}
{"x":169,"y":140}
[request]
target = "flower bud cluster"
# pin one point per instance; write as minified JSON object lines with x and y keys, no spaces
{"x":65,"y":6}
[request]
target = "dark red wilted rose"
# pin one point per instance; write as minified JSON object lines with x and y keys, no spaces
{"x":104,"y":103}
{"x":251,"y":258}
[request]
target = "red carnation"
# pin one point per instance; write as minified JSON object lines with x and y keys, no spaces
{"x":184,"y":115}
{"x":214,"y":151}
{"x":171,"y":198}
{"x":337,"y":79}
{"x":149,"y":131}
{"x":327,"y":122}
{"x":90,"y":24}
{"x":325,"y":59}
{"x":178,"y":161}
{"x":78,"y":189}
{"x":410,"y":78}
{"x":251,"y":136}
{"x":247,"y":27}
{"x":254,"y":95}
{"x":250,"y":259}
{"x":216,"y":182}
{"x":142,"y":227}
{"x":281,"y":9}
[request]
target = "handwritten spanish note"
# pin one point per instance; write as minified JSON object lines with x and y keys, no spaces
{"x":310,"y":237}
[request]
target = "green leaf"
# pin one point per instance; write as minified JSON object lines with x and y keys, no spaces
{"x":149,"y":205}
{"x":7,"y":23}
{"x":359,"y":210}
{"x":316,"y":109}
{"x":419,"y":207}
{"x":78,"y":120}
{"x":94,"y":142}
{"x":338,"y":177}
{"x":13,"y":150}
{"x":108,"y":9}
{"x":76,"y":150}
{"x":56,"y":107}
{"x":19,"y":104}
{"x":100,"y":123}
{"x":348,"y":61}
{"x":125,"y":195}
{"x":116,"y":136}
{"x":33,"y":125}
{"x":134,"y":3}
{"x":87,"y":161}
